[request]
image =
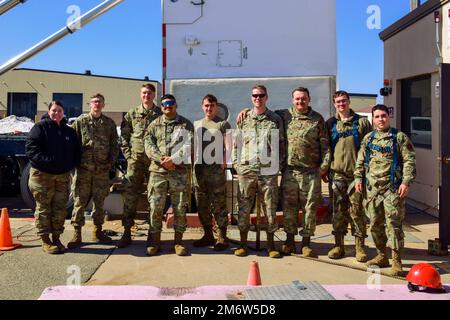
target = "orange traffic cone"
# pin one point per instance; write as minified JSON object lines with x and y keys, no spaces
{"x":6,"y":242}
{"x":254,"y":277}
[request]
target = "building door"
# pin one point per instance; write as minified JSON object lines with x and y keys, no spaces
{"x":22,"y":104}
{"x":444,"y":192}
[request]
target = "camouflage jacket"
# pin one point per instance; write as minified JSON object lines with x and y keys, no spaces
{"x":307,"y":140}
{"x":172,"y":138}
{"x":133,"y":129}
{"x":99,"y":142}
{"x":343,"y":159}
{"x":248,"y":153}
{"x":378,"y":171}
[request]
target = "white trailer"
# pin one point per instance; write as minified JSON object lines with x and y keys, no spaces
{"x":224,"y":47}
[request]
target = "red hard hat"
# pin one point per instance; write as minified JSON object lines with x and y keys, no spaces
{"x":425,"y":275}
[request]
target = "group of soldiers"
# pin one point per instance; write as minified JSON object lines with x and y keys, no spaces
{"x":369,"y":169}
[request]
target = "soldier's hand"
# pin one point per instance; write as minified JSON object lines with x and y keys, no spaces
{"x":324,"y":176}
{"x":403,"y":190}
{"x":241,"y":116}
{"x":358,"y":187}
{"x":167,"y":163}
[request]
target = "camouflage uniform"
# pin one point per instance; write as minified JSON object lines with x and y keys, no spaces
{"x":347,"y":203}
{"x":133,"y":129}
{"x":172,"y":138}
{"x":209,"y":179}
{"x":256,"y":177}
{"x":99,"y":144}
{"x":51,"y":192}
{"x":386,"y":208}
{"x":308,"y":153}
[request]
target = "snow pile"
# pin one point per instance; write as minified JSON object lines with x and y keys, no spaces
{"x":13,"y":124}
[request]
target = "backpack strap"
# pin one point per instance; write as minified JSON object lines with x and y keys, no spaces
{"x":395,"y":162}
{"x":335,"y":135}
{"x":355,"y":132}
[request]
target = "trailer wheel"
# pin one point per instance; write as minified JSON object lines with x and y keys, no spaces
{"x":25,"y":192}
{"x":28,"y":198}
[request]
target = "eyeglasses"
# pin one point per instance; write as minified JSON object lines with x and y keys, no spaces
{"x":96,"y":101}
{"x":259,"y":95}
{"x":168,"y":104}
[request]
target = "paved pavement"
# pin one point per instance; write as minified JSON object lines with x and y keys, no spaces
{"x":27,"y":271}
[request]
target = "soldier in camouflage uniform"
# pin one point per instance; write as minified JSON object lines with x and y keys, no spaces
{"x":386,"y":163}
{"x":132,"y":133}
{"x":98,"y":138}
{"x":308,"y":158}
{"x":346,"y":130}
{"x":53,"y":150}
{"x":168,"y":144}
{"x":209,"y":175}
{"x":258,"y":178}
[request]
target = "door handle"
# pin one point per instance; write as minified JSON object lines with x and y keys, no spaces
{"x":444,"y":160}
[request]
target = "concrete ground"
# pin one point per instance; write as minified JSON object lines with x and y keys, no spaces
{"x":27,"y":271}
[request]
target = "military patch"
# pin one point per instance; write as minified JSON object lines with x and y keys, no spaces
{"x":410,"y":147}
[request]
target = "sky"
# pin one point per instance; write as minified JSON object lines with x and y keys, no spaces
{"x":126,"y":41}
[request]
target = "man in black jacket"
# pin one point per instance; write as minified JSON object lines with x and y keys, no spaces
{"x":53,"y":150}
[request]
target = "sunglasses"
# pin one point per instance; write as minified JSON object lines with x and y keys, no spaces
{"x":260,"y":95}
{"x":167,"y":104}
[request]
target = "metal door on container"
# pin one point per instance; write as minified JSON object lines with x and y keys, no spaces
{"x":444,"y":190}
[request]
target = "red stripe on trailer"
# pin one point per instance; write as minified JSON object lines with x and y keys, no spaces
{"x":164,"y":58}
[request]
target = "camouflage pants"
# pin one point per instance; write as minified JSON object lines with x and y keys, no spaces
{"x":266,"y":187}
{"x":51,"y":192}
{"x":87,"y":185}
{"x":347,"y":207}
{"x":387,"y":213}
{"x":137,"y":174}
{"x":209,"y":187}
{"x":176,"y":184}
{"x":301,"y":190}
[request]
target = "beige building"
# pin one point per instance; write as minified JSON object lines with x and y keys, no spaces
{"x":27,"y":92}
{"x":417,"y":66}
{"x":362,"y":101}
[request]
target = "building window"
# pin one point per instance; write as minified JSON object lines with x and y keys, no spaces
{"x":72,"y":102}
{"x":22,"y":104}
{"x":416,"y":110}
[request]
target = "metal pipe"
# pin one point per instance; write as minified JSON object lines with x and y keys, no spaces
{"x":7,"y":5}
{"x":69,"y":29}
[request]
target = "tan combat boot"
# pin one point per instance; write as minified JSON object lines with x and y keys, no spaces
{"x":180,"y":249}
{"x":222,"y":240}
{"x":306,"y":247}
{"x":125,"y":241}
{"x":361,"y":255}
{"x":396,"y":269}
{"x":338,"y":252}
{"x":381,"y":259}
{"x":99,"y":237}
{"x":76,"y":240}
{"x":207,"y":239}
{"x":289,"y":245}
{"x":47,"y":245}
{"x":273,"y":252}
{"x":242,"y":250}
{"x":153,"y":243}
{"x":57,"y":242}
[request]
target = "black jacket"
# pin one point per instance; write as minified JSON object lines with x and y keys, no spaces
{"x":51,"y":148}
